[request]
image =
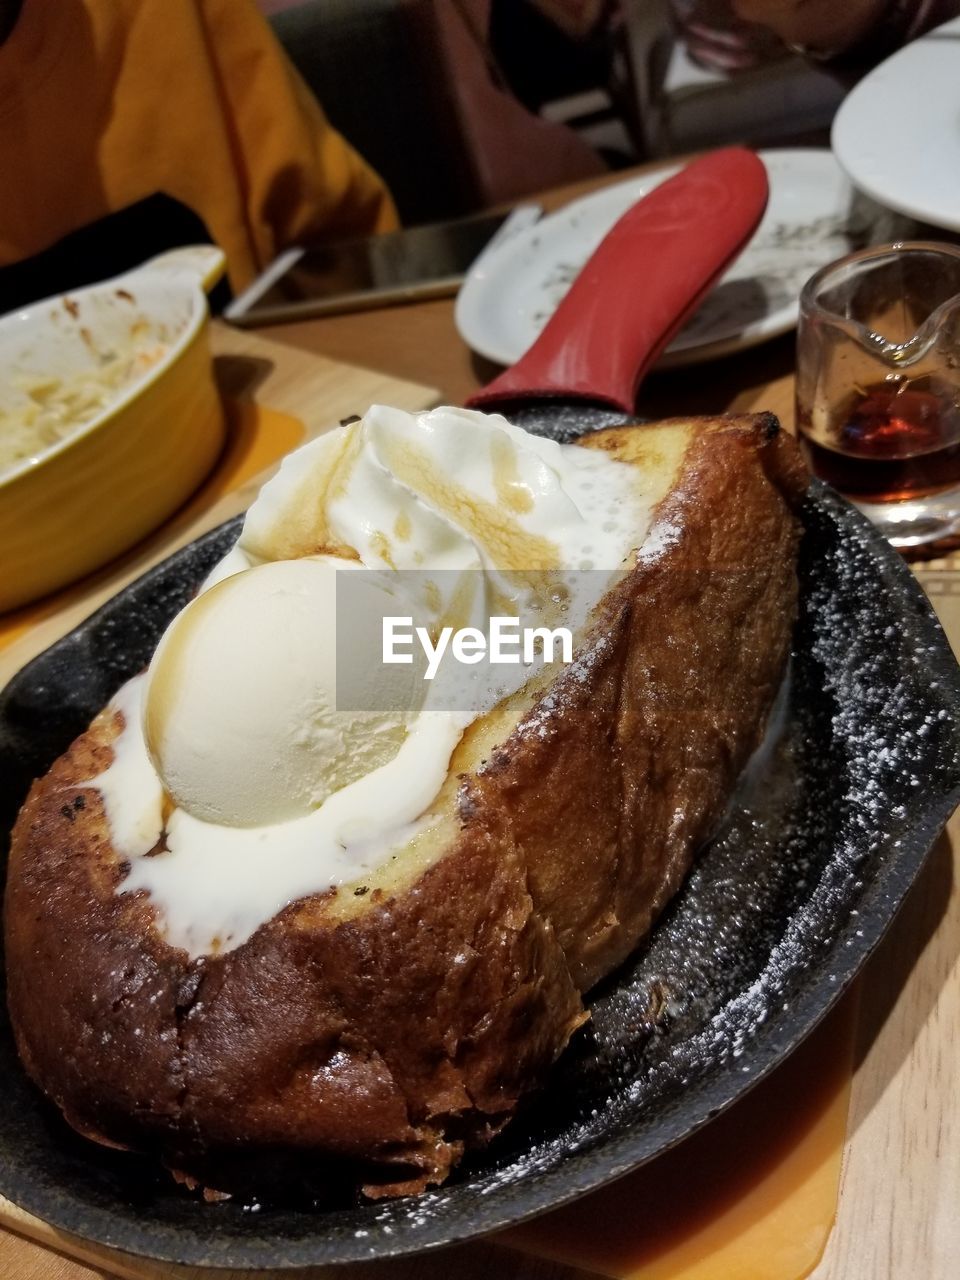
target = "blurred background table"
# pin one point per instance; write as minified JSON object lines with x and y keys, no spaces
{"x":901,"y":1182}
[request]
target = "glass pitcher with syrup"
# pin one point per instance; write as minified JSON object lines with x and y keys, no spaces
{"x":878,"y":386}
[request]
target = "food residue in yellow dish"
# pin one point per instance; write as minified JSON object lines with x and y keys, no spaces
{"x":55,"y":408}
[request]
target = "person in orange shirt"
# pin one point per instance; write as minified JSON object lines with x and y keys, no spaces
{"x":130,"y":126}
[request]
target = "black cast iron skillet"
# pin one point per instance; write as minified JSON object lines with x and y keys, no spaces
{"x":828,"y":831}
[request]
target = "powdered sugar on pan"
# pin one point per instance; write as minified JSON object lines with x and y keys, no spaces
{"x":819,"y":845}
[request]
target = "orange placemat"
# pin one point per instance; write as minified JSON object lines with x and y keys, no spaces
{"x":753,"y":1196}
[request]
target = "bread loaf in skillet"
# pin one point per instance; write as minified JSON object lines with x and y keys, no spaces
{"x":369,"y":1035}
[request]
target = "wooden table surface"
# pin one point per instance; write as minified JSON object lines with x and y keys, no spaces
{"x":898,"y":1214}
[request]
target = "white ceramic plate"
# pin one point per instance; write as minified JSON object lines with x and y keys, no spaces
{"x":897,"y":133}
{"x":511,"y":291}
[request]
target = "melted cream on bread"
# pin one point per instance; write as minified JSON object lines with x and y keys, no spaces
{"x":450,"y":489}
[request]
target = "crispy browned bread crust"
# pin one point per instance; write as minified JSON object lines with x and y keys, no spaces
{"x":368,"y":1041}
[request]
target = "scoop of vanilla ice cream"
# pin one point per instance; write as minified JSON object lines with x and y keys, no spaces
{"x":240,"y":714}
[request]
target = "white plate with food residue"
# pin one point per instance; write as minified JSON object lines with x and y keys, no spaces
{"x":813,"y":217}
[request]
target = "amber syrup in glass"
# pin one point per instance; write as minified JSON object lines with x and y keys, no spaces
{"x":892,"y":441}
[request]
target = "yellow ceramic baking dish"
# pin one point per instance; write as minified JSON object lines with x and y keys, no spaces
{"x":78,"y":503}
